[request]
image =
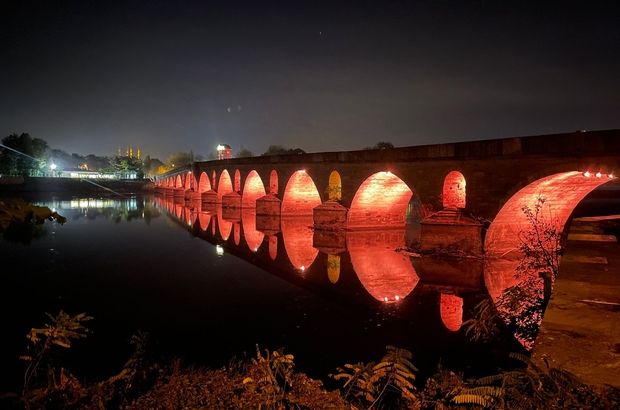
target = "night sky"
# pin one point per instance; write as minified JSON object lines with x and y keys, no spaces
{"x":167,"y":76}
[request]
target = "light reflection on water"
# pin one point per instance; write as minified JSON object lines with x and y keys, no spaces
{"x":352,"y":294}
{"x":389,"y":277}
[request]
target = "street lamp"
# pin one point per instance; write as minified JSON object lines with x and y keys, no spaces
{"x":53,"y":166}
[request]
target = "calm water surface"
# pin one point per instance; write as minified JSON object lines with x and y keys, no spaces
{"x":210,"y":284}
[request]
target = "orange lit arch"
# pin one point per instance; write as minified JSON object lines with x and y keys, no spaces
{"x":273,"y":182}
{"x":454,"y":190}
{"x":252,"y":190}
{"x":562,"y":192}
{"x":334,"y":187}
{"x":204,"y":185}
{"x":237,"y":182}
{"x":178,"y":182}
{"x":224,"y":186}
{"x":300,"y":195}
{"x":380,"y":202}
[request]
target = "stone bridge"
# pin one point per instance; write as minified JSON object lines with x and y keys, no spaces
{"x":477,"y":189}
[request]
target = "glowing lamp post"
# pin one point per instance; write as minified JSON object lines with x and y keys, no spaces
{"x":53,"y":168}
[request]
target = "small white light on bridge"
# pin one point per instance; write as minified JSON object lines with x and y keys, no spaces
{"x":255,"y":249}
{"x":611,"y":176}
{"x":303,"y":170}
{"x":219,"y":250}
{"x":586,"y":174}
{"x":396,"y":297}
{"x":303,"y":268}
{"x":598,"y":174}
{"x":385,"y":299}
{"x":388,"y":173}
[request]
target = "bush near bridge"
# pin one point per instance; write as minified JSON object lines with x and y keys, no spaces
{"x":269,"y":381}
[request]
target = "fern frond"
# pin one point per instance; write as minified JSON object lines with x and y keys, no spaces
{"x":471,"y":399}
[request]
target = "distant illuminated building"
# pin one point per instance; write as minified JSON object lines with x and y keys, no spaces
{"x":224,"y":151}
{"x":129,"y":152}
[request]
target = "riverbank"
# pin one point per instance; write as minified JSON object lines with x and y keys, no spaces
{"x":13,"y":185}
{"x":581,"y":328}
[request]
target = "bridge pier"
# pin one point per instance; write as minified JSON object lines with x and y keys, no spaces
{"x":330,"y":215}
{"x":268,"y":205}
{"x":231,"y":200}
{"x":168,"y":191}
{"x":209,"y":197}
{"x":191,"y":195}
{"x":451,"y":229}
{"x":178,"y":193}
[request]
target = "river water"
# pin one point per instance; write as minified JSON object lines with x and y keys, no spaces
{"x":211,"y":284}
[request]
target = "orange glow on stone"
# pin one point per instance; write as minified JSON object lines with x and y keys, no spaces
{"x":273,"y":183}
{"x":237,"y":184}
{"x":178,"y":182}
{"x":252,"y":190}
{"x":204,"y":185}
{"x":297,"y":237}
{"x":225,"y":185}
{"x":562,"y":192}
{"x":451,"y":310}
{"x":383,"y":272}
{"x":300,"y":195}
{"x":381,"y":201}
{"x":454,"y":190}
{"x":334,"y":189}
{"x":253,"y":237}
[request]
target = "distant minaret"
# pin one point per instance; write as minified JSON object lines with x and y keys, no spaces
{"x":138,"y":153}
{"x":119,"y":150}
{"x":130,"y":152}
{"x":127,"y":152}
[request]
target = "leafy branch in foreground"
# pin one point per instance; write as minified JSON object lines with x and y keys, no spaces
{"x":63,"y":329}
{"x":390,"y":381}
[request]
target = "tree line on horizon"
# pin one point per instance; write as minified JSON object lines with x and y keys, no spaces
{"x":23,"y":155}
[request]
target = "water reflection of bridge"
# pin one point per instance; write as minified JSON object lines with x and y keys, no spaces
{"x":358,"y":266}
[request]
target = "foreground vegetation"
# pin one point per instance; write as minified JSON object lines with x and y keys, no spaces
{"x":269,"y":381}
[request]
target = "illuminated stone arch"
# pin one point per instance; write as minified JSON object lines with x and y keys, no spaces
{"x":170,"y":182}
{"x":224,"y":186}
{"x":300,"y":195}
{"x":189,"y":180}
{"x":178,"y":182}
{"x":451,"y":310}
{"x":252,"y":190}
{"x":334,"y":187}
{"x":380,"y":202}
{"x":237,"y":181}
{"x":562,"y":192}
{"x":204,"y":185}
{"x":273,"y":182}
{"x":454,"y":190}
